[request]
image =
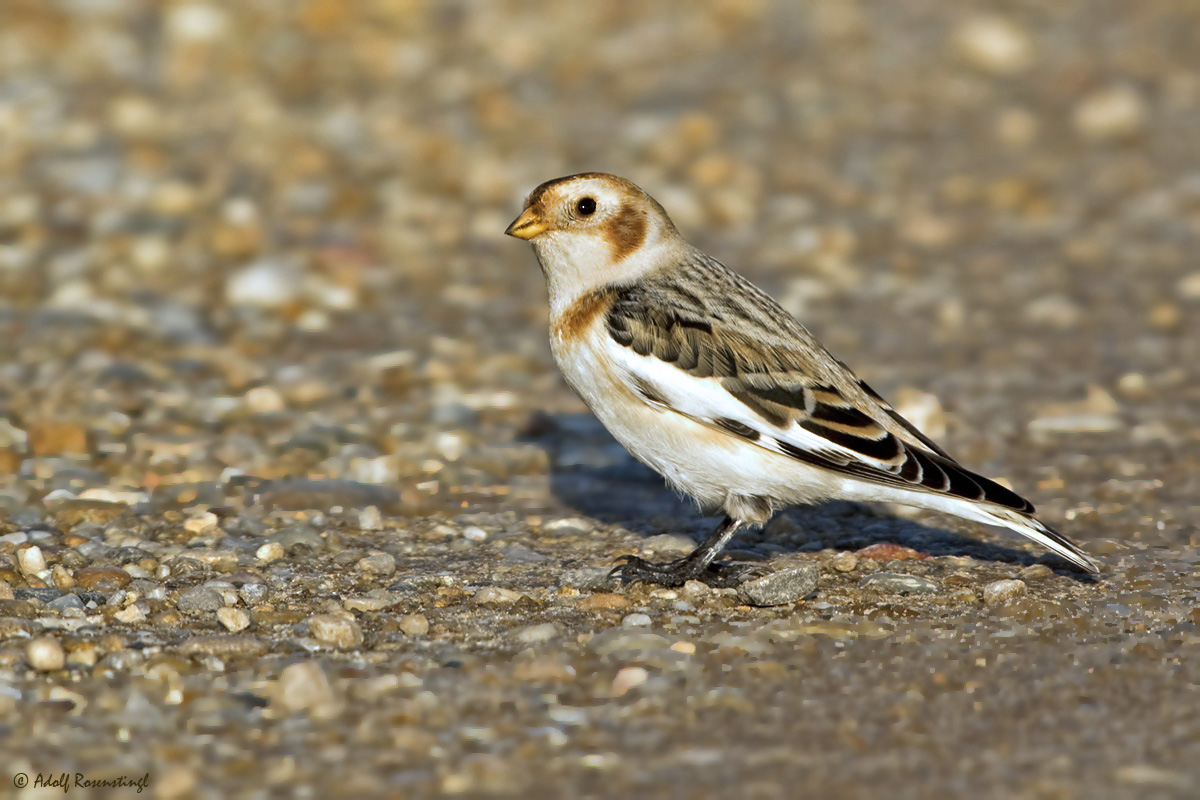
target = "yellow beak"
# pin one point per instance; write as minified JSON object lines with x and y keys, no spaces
{"x":526,"y":226}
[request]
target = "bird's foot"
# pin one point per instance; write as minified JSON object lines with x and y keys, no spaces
{"x":676,"y":573}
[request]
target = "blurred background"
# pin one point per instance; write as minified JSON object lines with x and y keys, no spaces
{"x":259,"y":243}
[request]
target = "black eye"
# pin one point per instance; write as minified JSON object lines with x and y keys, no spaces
{"x":586,"y":207}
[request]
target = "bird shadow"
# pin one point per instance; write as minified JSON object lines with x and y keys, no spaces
{"x":593,"y":475}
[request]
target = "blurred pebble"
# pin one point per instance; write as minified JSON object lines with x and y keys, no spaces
{"x":414,"y":624}
{"x":1095,"y":414}
{"x":994,"y":45}
{"x":1189,"y":286}
{"x":573,"y":526}
{"x":206,"y":522}
{"x":520,"y":554}
{"x":669,"y":544}
{"x":844,"y":562}
{"x":495,"y":595}
{"x":921,"y":409}
{"x":887,"y":551}
{"x":271,"y":551}
{"x":628,"y":678}
{"x":601,"y":601}
{"x":474,"y":533}
{"x":536,"y":634}
{"x":370,"y":519}
{"x":264,"y":285}
{"x":1036,"y":572}
{"x":335,"y":630}
{"x":303,"y":687}
{"x":627,"y":640}
{"x":45,"y":654}
{"x":378,"y":564}
{"x":1112,"y":113}
{"x":584,"y":578}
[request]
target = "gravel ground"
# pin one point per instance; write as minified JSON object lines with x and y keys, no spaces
{"x":293,"y":502}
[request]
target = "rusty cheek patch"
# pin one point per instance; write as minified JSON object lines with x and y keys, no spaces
{"x":628,"y":231}
{"x":574,"y":322}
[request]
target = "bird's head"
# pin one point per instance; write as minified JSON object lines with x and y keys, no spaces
{"x":593,"y":230}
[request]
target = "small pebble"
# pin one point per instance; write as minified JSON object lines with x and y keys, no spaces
{"x":303,"y":686}
{"x":336,"y":630}
{"x":786,"y":585}
{"x":45,"y":654}
{"x":584,"y":578}
{"x":1035,"y":572}
{"x":999,"y":591}
{"x":271,"y":551}
{"x":102,"y":579}
{"x":474,"y":533}
{"x":628,"y":678}
{"x":572,"y":526}
{"x":202,"y":523}
{"x":131,"y":614}
{"x":495,"y":595}
{"x":370,"y":519}
{"x":414,"y":625}
{"x":233,"y":618}
{"x":994,"y":45}
{"x":371,"y":602}
{"x":844,"y":562}
{"x":378,"y":564}
{"x":199,"y":600}
{"x":636,"y":620}
{"x":62,"y":603}
{"x":887,"y":551}
{"x":536,"y":634}
{"x":254,"y":593}
{"x":31,"y":560}
{"x":1110,"y":114}
{"x":903,"y":584}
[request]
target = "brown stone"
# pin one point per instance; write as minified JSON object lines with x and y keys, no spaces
{"x":10,"y":461}
{"x":886,"y":551}
{"x":55,"y":437}
{"x":102,"y":579}
{"x":601,"y":601}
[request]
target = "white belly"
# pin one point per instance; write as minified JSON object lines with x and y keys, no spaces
{"x":718,"y":469}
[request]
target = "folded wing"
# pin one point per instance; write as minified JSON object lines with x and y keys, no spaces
{"x":745,"y":366}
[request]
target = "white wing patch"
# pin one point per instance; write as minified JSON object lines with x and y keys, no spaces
{"x":706,"y":400}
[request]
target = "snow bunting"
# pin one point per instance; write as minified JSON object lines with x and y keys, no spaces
{"x":708,"y":381}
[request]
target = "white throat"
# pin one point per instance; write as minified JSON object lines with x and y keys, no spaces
{"x":576,"y":264}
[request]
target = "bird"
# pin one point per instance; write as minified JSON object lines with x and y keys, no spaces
{"x":707,"y":380}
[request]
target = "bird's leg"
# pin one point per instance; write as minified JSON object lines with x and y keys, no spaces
{"x":697,"y":565}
